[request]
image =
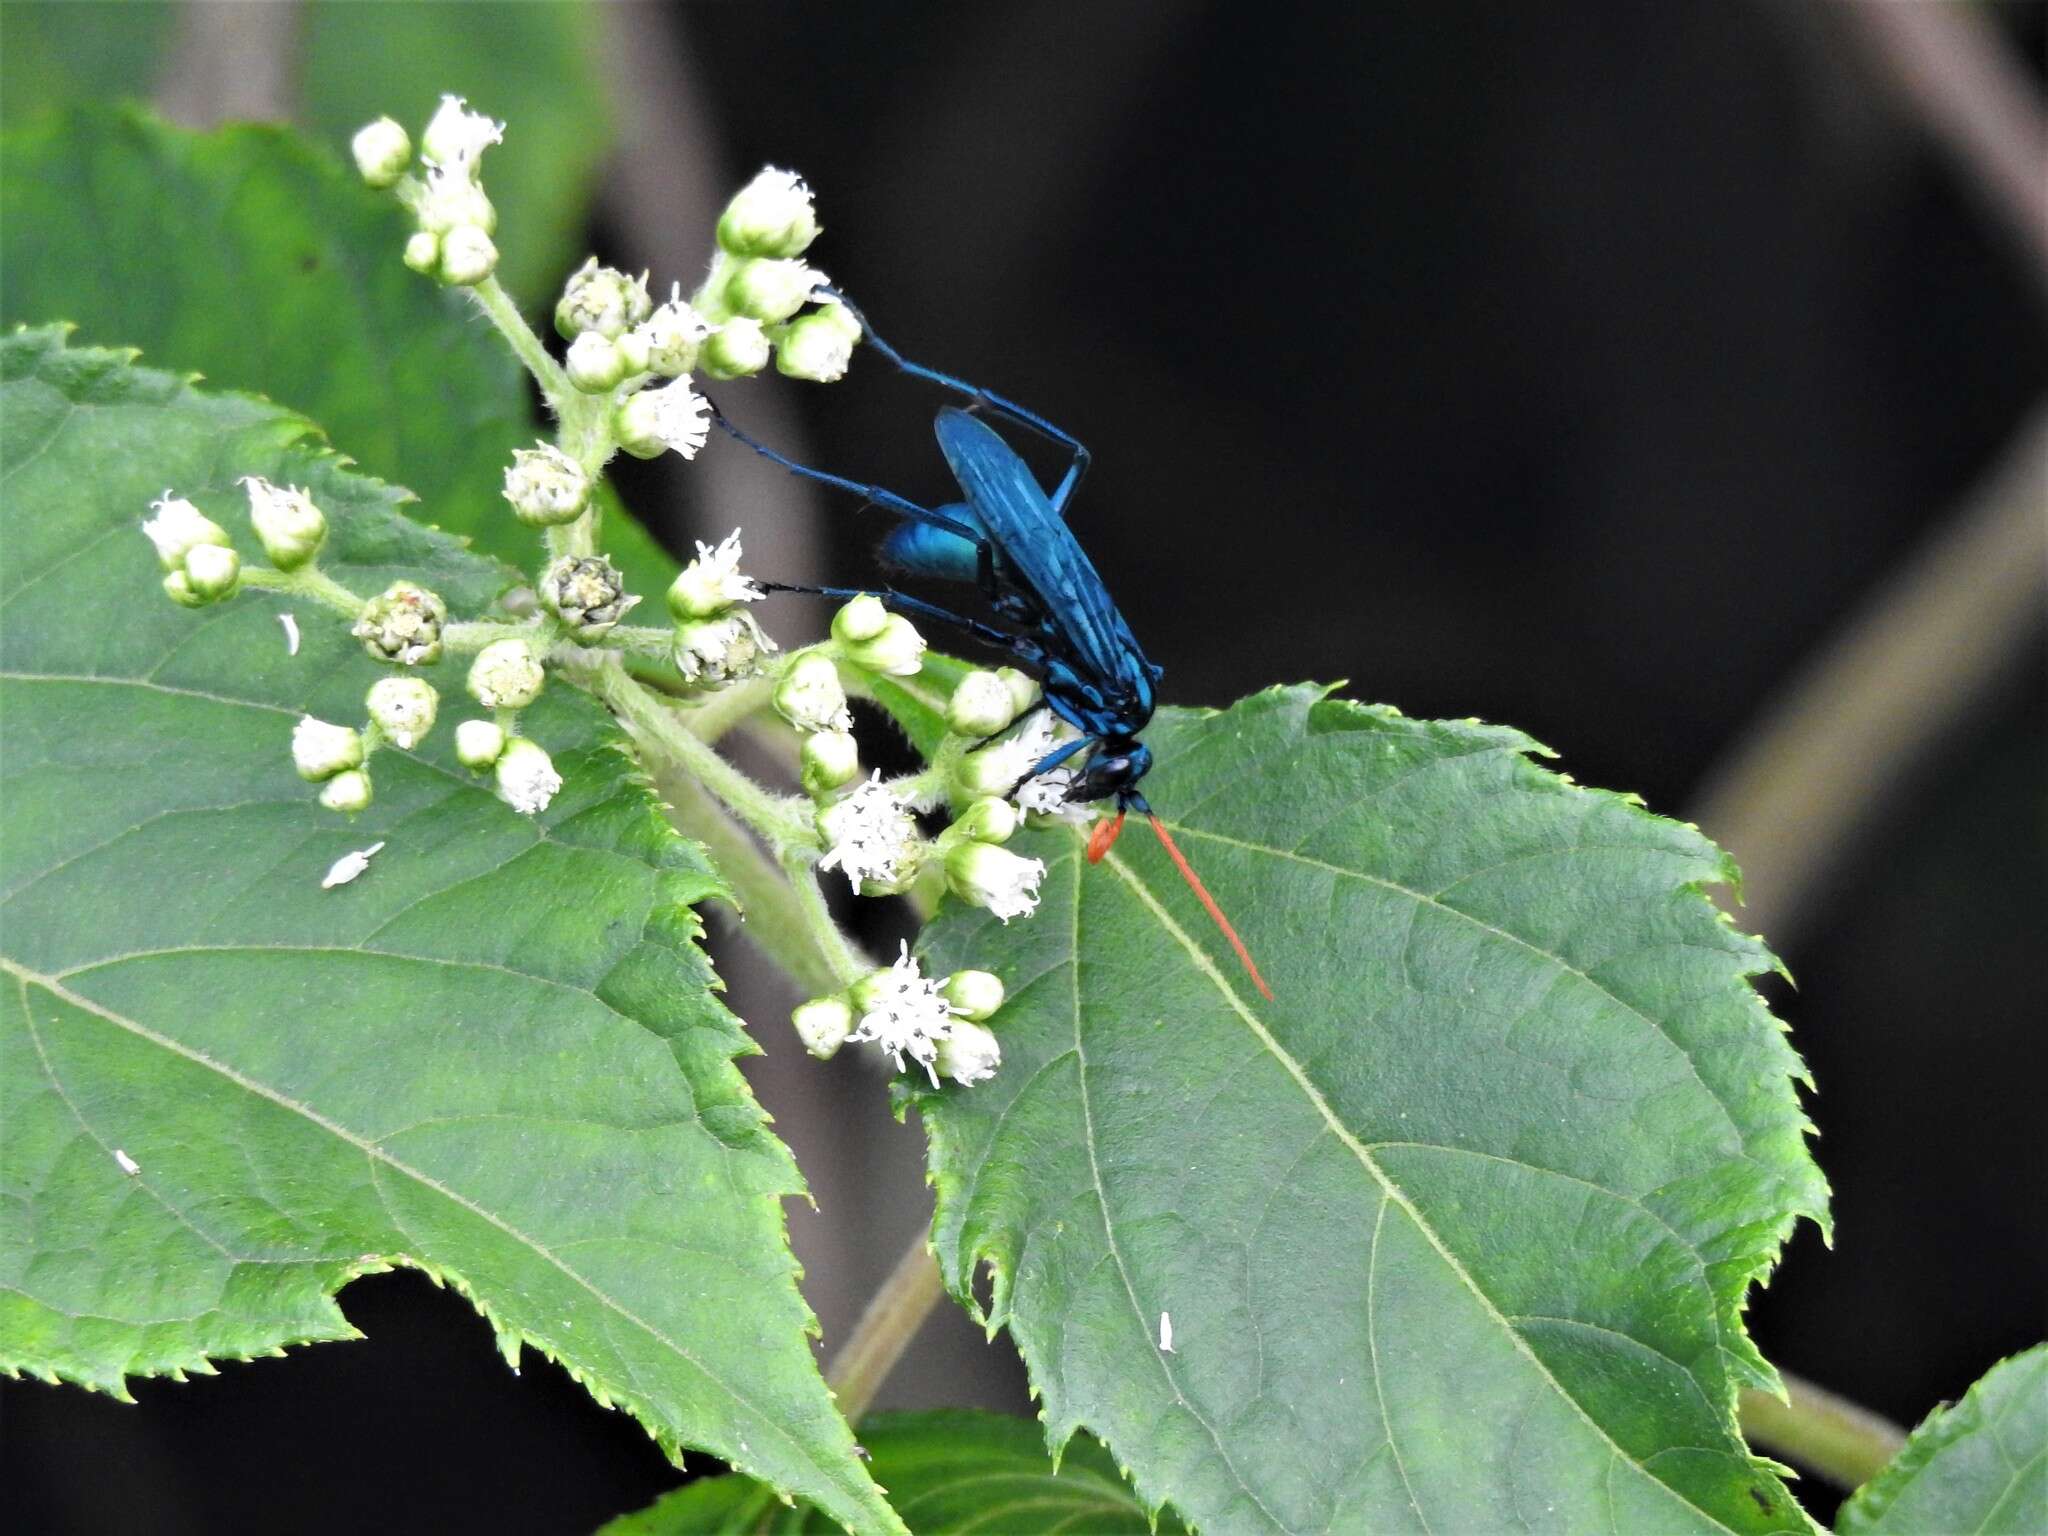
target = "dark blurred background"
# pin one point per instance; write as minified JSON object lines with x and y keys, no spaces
{"x":1591,"y":368}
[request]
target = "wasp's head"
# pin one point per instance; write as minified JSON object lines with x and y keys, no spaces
{"x":1114,"y":768}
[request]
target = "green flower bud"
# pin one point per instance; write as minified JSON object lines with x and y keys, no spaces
{"x":402,"y":625}
{"x":1023,"y":688}
{"x":287,"y":523}
{"x":479,"y":743}
{"x":467,"y":256}
{"x":178,"y":528}
{"x":403,"y":708}
{"x":981,"y":705}
{"x":898,"y":651}
{"x":214,"y":571}
{"x":828,"y":761}
{"x":673,"y":334}
{"x":987,"y":876}
{"x":721,"y":650}
{"x":987,"y":820}
{"x":771,"y":216}
{"x":601,"y":299}
{"x":320,"y":750}
{"x":506,"y":675}
{"x":546,"y":487}
{"x":860,"y":621}
{"x":711,"y":584}
{"x":736,"y":349}
{"x":968,"y":1053}
{"x":587,"y":594}
{"x":594,"y":363}
{"x":423,"y":252}
{"x":823,"y":1024}
{"x":974,"y":995}
{"x":818,"y":346}
{"x":651,"y":422}
{"x":810,"y":697}
{"x":992,"y":771}
{"x":347,"y":792}
{"x":634,"y":351}
{"x":526,"y":776}
{"x":178,"y":587}
{"x":382,"y":151}
{"x":771,"y":290}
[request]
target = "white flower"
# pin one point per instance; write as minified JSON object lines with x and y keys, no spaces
{"x":601,"y":299}
{"x":382,"y":151}
{"x":670,"y":416}
{"x":320,"y":750}
{"x":903,"y":1012}
{"x":672,"y":335}
{"x":810,"y":696}
{"x":403,"y":708}
{"x":1046,"y":795}
{"x":447,"y":199}
{"x":287,"y":523}
{"x":995,"y":878}
{"x":546,"y":487}
{"x":178,"y":528}
{"x":506,"y":675}
{"x":969,"y":1053}
{"x":997,"y":768}
{"x":870,"y":838}
{"x":712,"y":583}
{"x":526,"y":776}
{"x":456,"y":138}
{"x":771,"y":216}
{"x":720,"y":650}
{"x":348,"y":866}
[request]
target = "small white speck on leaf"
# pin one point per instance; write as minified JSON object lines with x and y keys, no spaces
{"x":127,"y":1164}
{"x":1166,"y":1333}
{"x":348,"y":866}
{"x":291,"y":633}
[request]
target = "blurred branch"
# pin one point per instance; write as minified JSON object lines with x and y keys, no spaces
{"x":1825,"y":1434}
{"x":1894,"y":680}
{"x":886,"y":1328}
{"x":230,"y":61}
{"x":1950,"y":67}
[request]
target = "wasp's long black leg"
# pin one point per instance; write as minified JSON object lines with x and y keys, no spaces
{"x":1030,"y":652}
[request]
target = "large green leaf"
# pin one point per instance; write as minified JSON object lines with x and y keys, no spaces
{"x":949,"y":1472}
{"x":1977,"y":1468}
{"x":498,"y":1055}
{"x":260,"y":262}
{"x":1454,"y":1234}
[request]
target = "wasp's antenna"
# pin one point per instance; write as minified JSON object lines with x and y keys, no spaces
{"x":1194,"y":881}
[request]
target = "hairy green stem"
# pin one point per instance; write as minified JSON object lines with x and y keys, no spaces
{"x":308,"y":581}
{"x":497,"y":305}
{"x":467,"y":639}
{"x":710,"y":720}
{"x":848,"y":964}
{"x":1827,"y":1435}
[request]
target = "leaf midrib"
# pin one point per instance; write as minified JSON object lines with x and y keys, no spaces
{"x":27,"y":977}
{"x":1200,"y":960}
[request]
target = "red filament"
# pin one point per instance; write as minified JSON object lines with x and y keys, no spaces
{"x":1103,"y":837}
{"x":1194,"y":884}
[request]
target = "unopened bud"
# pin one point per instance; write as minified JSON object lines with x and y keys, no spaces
{"x":736,"y":349}
{"x":819,"y":346}
{"x":178,"y":587}
{"x":320,"y":750}
{"x":382,"y":150}
{"x":974,"y":995}
{"x":672,"y":336}
{"x":347,"y":792}
{"x":810,"y":697}
{"x":898,"y":651}
{"x":468,"y":256}
{"x":526,"y":776}
{"x":479,"y":743}
{"x":982,"y":704}
{"x":403,"y":708}
{"x":287,"y":523}
{"x":860,"y":620}
{"x":823,"y":1025}
{"x":423,"y":252}
{"x":771,"y":216}
{"x":586,"y":593}
{"x":594,"y":363}
{"x":988,"y":820}
{"x":601,"y":299}
{"x":1023,"y":688}
{"x":506,"y":675}
{"x":769,"y":290}
{"x":546,"y":487}
{"x":448,"y":200}
{"x":214,"y":571}
{"x":992,"y":771}
{"x":178,"y":528}
{"x":968,"y":1053}
{"x":402,"y":624}
{"x":827,"y":761}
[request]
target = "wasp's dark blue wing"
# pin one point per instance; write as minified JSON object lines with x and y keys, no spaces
{"x":1040,"y":554}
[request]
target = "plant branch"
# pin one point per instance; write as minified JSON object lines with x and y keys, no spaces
{"x":1827,"y":1435}
{"x":497,"y":304}
{"x":885,"y":1329}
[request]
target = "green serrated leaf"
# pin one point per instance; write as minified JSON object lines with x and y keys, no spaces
{"x":1455,"y":1233}
{"x":262,"y":263}
{"x":498,"y":1055}
{"x":948,"y":1473}
{"x":1976,"y":1468}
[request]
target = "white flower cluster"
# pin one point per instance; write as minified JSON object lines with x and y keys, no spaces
{"x":717,"y":642}
{"x":935,"y":1024}
{"x":455,"y":219}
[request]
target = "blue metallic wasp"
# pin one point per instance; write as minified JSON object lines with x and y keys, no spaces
{"x":1009,"y":538}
